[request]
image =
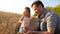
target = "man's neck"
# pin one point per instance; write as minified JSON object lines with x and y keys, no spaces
{"x":41,"y":13}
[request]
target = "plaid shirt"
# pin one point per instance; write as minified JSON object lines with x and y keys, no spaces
{"x":49,"y":18}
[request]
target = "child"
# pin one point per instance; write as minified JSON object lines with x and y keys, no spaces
{"x":25,"y":20}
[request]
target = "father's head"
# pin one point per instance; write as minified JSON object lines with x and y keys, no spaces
{"x":37,"y":6}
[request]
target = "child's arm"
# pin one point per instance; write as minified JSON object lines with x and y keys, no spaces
{"x":21,"y":19}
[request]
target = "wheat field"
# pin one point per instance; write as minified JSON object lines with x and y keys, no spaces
{"x":9,"y":23}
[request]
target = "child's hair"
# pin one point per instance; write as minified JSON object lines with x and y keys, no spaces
{"x":27,"y":9}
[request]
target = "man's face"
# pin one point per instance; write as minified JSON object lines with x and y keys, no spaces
{"x":38,"y":9}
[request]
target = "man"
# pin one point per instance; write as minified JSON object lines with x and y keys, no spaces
{"x":48,"y":19}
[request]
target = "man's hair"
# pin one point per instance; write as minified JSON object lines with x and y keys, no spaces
{"x":37,"y":3}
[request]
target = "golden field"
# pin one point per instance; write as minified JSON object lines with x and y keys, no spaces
{"x":9,"y":23}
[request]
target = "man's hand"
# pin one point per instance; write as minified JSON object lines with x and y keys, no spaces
{"x":29,"y":32}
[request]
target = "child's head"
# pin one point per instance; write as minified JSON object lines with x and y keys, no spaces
{"x":26,"y":11}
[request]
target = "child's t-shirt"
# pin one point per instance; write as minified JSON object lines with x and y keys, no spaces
{"x":26,"y":21}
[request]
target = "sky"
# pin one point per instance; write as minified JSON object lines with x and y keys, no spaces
{"x":17,"y":6}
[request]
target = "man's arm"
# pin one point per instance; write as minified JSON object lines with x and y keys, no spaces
{"x":49,"y":31}
{"x":51,"y":25}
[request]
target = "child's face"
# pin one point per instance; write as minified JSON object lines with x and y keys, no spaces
{"x":26,"y":13}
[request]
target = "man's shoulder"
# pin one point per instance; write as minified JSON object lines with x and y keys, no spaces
{"x":51,"y":13}
{"x":48,"y":12}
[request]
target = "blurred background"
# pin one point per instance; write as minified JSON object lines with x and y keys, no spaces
{"x":17,"y":6}
{"x":11,"y":11}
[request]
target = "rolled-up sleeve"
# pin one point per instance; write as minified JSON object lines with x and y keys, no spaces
{"x":52,"y":20}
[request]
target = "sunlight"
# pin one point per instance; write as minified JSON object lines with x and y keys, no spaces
{"x":14,"y":6}
{"x":17,"y":6}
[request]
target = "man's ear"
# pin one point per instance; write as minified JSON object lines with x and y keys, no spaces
{"x":41,"y":7}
